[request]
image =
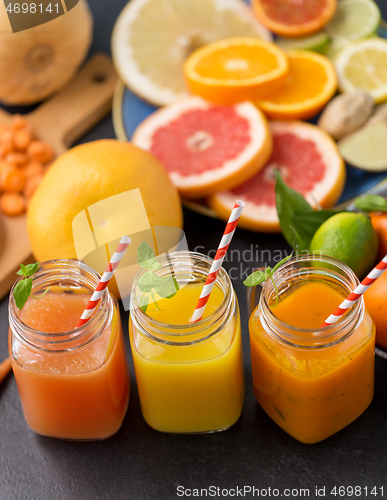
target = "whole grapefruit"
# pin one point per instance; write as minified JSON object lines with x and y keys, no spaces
{"x":87,"y":174}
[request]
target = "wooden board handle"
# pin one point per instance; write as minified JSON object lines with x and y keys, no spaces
{"x":80,"y":105}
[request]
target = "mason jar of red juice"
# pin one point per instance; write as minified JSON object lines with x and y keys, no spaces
{"x":189,"y":375}
{"x":311,"y":381}
{"x":73,"y":382}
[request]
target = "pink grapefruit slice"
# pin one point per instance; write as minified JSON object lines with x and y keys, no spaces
{"x":309,"y":162}
{"x":205,"y":147}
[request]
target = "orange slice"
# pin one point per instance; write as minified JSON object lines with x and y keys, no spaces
{"x":235,"y":70}
{"x":311,"y":82}
{"x":205,"y":147}
{"x":294,"y":18}
{"x":309,"y":162}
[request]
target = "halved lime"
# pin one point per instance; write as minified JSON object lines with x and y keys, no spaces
{"x":317,"y":42}
{"x":354,"y":20}
{"x":334,"y":48}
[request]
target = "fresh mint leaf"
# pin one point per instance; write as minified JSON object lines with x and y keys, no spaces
{"x":20,"y":273}
{"x":146,"y":258}
{"x":168,"y":288}
{"x":144,"y":301}
{"x":22,"y":291}
{"x":148,"y":281}
{"x":31,"y":269}
{"x":289,"y":203}
{"x":309,"y":222}
{"x":256,"y":278}
{"x":279,"y":264}
{"x":371,"y":203}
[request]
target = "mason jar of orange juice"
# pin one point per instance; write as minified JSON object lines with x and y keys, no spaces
{"x":73,"y":382}
{"x":189,"y":375}
{"x":311,"y":381}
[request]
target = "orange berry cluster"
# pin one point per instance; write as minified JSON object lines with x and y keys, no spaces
{"x":23,"y":162}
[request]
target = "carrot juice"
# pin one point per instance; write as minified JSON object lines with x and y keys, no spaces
{"x":312,"y":381}
{"x":73,"y":384}
{"x":189,"y":376}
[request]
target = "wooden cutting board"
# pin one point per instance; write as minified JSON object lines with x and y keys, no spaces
{"x":60,"y":120}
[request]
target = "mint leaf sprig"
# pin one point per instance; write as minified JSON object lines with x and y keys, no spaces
{"x":298,"y":219}
{"x":259,"y":277}
{"x":371,"y":203}
{"x":23,"y":287}
{"x":150,"y":283}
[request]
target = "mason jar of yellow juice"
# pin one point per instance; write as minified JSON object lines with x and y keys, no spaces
{"x":189,"y":375}
{"x":311,"y":381}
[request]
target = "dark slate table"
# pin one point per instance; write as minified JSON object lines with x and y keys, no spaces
{"x":140,"y":463}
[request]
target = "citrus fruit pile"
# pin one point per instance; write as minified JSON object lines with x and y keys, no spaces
{"x":218,"y":144}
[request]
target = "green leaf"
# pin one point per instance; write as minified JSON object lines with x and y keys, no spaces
{"x":279,"y":264}
{"x":289,"y":203}
{"x":168,"y":287}
{"x":146,"y":258}
{"x":22,"y":291}
{"x":309,"y":223}
{"x":148,"y":281}
{"x":371,"y":203}
{"x":31,"y":269}
{"x":144,"y":301}
{"x":256,"y":278}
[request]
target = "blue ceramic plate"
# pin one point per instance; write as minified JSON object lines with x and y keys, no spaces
{"x":129,"y":111}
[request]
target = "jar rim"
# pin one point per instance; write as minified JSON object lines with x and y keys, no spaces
{"x":65,"y":267}
{"x":331,"y":334}
{"x":188,"y":329}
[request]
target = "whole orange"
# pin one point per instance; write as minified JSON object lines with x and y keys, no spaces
{"x":75,"y":201}
{"x":379,"y":222}
{"x":375,"y":299}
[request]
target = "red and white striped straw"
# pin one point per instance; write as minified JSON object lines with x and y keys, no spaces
{"x":104,"y":281}
{"x":218,"y":261}
{"x":357,"y":293}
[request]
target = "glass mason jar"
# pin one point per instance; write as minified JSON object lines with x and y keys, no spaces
{"x":73,"y":384}
{"x":312,"y":382}
{"x":189,"y":375}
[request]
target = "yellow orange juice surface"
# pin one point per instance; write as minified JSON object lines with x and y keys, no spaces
{"x":197,"y":387}
{"x":81,"y":394}
{"x":312,"y":392}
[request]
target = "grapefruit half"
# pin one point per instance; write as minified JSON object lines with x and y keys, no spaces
{"x":205,"y":147}
{"x":294,"y":18}
{"x":309,"y":162}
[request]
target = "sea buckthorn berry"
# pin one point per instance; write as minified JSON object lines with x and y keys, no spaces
{"x":40,"y":151}
{"x":22,"y":139}
{"x":33,"y":168}
{"x":12,"y":180}
{"x":19,"y":122}
{"x":16,"y":159}
{"x":12,"y":204}
{"x":6,"y":142}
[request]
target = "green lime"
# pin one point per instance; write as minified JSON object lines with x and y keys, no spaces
{"x":317,"y":42}
{"x":348,"y":237}
{"x":354,"y":19}
{"x":334,"y":47}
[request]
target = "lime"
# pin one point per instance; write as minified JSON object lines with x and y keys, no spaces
{"x":334,"y":47}
{"x":362,"y":65}
{"x":317,"y":42}
{"x":354,"y":19}
{"x":348,"y":237}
